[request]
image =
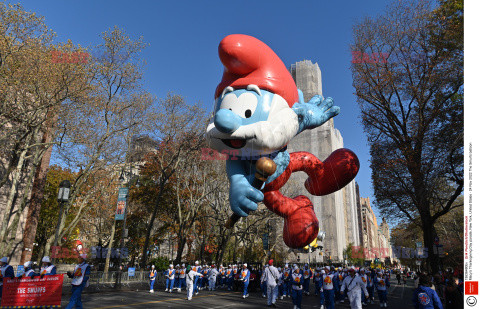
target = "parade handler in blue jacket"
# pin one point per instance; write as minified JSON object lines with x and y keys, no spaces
{"x":152,"y":277}
{"x":29,"y":272}
{"x":424,"y":297}
{"x":170,"y":276}
{"x":80,"y":278}
{"x":48,"y":269}
{"x":245,"y":278}
{"x":381,"y":285}
{"x":297,"y":287}
{"x":6,"y":271}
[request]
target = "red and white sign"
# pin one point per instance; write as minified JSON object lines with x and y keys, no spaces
{"x":33,"y":292}
{"x":471,"y":287}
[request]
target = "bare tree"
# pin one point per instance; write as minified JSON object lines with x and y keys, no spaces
{"x":412,"y":111}
{"x":32,"y":89}
{"x":95,"y":129}
{"x":178,"y":126}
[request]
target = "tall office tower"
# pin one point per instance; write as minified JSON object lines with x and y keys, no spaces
{"x":336,"y":212}
{"x":370,"y":226}
{"x":361,"y":226}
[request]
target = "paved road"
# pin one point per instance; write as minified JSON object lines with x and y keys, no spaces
{"x":399,"y":298}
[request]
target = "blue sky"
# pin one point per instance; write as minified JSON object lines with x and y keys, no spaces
{"x":184,"y":35}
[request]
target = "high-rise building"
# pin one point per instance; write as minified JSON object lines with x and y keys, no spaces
{"x":359,"y":216}
{"x":385,"y":230}
{"x":336,"y":212}
{"x":369,"y":224}
{"x":376,"y":239}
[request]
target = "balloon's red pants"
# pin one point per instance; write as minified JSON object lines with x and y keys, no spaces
{"x":300,"y":222}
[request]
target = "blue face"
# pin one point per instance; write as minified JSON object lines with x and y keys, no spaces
{"x":241,"y":107}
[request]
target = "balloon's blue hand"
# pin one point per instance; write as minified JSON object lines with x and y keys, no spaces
{"x":314,"y":113}
{"x":243,"y":197}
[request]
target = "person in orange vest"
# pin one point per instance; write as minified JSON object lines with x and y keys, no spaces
{"x":287,"y":281}
{"x":170,"y":275}
{"x":181,"y":278}
{"x":329,"y":287}
{"x":381,"y":285}
{"x":245,"y":278}
{"x":47,"y":267}
{"x":235,"y":277}
{"x":152,"y":277}
{"x":307,"y":274}
{"x":176,"y":282}
{"x":196,"y":284}
{"x":297,"y":287}
{"x":229,"y":278}
{"x":220,"y":275}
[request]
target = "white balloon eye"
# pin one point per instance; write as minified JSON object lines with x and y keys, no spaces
{"x":244,"y":106}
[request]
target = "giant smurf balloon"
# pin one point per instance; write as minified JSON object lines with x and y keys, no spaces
{"x":258,"y":110}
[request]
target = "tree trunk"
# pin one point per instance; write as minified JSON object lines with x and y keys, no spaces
{"x":12,"y":229}
{"x":40,"y":254}
{"x":150,"y":226}
{"x":10,"y":205}
{"x":46,"y":249}
{"x":224,"y":240}
{"x":235,"y":251}
{"x":109,"y":252}
{"x":147,"y":238}
{"x":429,"y":234}
{"x":36,"y":201}
{"x":202,"y":247}
{"x":181,"y":246}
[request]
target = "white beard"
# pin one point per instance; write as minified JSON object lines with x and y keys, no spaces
{"x":263,"y":137}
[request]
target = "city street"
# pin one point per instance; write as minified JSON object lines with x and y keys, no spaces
{"x":400,"y":297}
{"x":155,"y":145}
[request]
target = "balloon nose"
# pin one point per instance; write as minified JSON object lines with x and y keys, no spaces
{"x":227,"y":121}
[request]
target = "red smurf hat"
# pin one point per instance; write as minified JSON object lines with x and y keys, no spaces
{"x":247,"y":61}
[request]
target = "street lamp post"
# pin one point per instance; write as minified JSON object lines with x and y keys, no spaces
{"x":63,"y":196}
{"x":118,"y":280}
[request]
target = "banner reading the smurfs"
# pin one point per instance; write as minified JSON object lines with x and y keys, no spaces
{"x":28,"y":293}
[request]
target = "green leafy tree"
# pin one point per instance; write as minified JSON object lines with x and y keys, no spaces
{"x":354,"y":257}
{"x":49,"y":210}
{"x":161,"y":263}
